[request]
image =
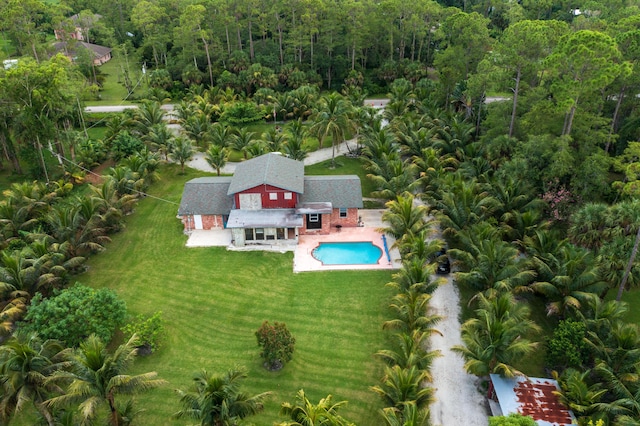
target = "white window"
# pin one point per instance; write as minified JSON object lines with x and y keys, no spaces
{"x":288,"y":196}
{"x":314,"y":217}
{"x":343,"y":212}
{"x":273,"y":195}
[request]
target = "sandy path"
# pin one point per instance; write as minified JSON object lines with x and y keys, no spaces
{"x":458,"y":401}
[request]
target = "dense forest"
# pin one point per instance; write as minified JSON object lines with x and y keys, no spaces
{"x":514,"y":123}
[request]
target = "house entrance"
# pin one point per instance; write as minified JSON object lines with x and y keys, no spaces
{"x":314,"y":221}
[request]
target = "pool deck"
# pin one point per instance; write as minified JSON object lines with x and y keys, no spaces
{"x":303,"y":261}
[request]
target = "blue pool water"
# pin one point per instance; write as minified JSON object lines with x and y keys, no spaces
{"x":359,"y":253}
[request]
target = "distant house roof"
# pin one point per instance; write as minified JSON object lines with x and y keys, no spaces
{"x":97,"y":50}
{"x":533,"y":397}
{"x":270,"y":169}
{"x":76,"y":17}
{"x":341,"y":191}
{"x":206,"y":195}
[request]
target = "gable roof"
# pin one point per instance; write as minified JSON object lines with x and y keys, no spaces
{"x":206,"y":195}
{"x":341,"y":191}
{"x":271,"y":169}
{"x":96,"y":50}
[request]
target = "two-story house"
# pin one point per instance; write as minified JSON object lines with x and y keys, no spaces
{"x":269,"y":199}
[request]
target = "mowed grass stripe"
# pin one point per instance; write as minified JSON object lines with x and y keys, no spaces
{"x":214,"y":300}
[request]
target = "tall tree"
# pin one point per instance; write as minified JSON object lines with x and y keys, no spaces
{"x":332,"y":118}
{"x":585,"y":62}
{"x":192,"y":33}
{"x":40,"y":96}
{"x":464,"y":40}
{"x":521,"y":50}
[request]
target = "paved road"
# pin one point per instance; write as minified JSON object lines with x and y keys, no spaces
{"x":120,"y":108}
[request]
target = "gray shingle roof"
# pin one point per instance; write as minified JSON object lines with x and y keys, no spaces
{"x":97,"y":50}
{"x":270,"y":169}
{"x":341,"y":191}
{"x":206,"y":195}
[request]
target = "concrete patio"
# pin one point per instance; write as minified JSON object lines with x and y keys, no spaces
{"x":303,"y":260}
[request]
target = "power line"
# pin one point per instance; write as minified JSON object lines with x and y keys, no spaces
{"x":120,"y":104}
{"x":62,"y":157}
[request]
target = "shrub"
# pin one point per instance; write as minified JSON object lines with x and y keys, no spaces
{"x":567,"y":347}
{"x":242,"y":113}
{"x":511,"y":420}
{"x":148,"y":329}
{"x":277,"y":344}
{"x":73,"y":314}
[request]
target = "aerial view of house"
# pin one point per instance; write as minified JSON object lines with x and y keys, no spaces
{"x":270,"y":199}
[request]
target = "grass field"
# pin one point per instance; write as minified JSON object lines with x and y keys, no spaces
{"x":113,"y":91}
{"x":214,"y":300}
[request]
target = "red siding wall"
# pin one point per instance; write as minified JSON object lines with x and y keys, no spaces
{"x":267,"y":203}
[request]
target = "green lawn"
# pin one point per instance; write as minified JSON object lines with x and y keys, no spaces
{"x":632,"y":298}
{"x":213,"y":301}
{"x":113,"y":91}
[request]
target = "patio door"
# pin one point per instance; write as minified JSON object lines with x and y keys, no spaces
{"x":197,"y":221}
{"x":314,"y":221}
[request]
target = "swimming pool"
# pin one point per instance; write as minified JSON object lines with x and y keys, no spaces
{"x":352,"y":253}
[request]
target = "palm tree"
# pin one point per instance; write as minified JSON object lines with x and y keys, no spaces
{"x":221,"y":134}
{"x":461,"y":206}
{"x":577,"y":395}
{"x":96,"y":377}
{"x":217,"y":157}
{"x":332,"y":118}
{"x":182,"y":152}
{"x":402,"y":385}
{"x":404,"y":217}
{"x":217,"y":400}
{"x":306,"y":413}
{"x":408,"y":415}
{"x":392,"y":177}
{"x":415,"y":273}
{"x":431,"y":168}
{"x":241,"y":141}
{"x":619,"y":348}
{"x":198,"y":128}
{"x":160,"y":138}
{"x":409,"y":351}
{"x":146,"y":116}
{"x":496,"y":337}
{"x":411,"y":313}
{"x":378,"y":145}
{"x":419,"y":246}
{"x":296,"y":133}
{"x":493,"y":266}
{"x":574,"y":277}
{"x":25,"y":364}
{"x":274,"y":139}
{"x":625,"y":390}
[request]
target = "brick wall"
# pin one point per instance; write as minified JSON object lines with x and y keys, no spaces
{"x":350,"y":221}
{"x":212,"y":221}
{"x":208,"y":222}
